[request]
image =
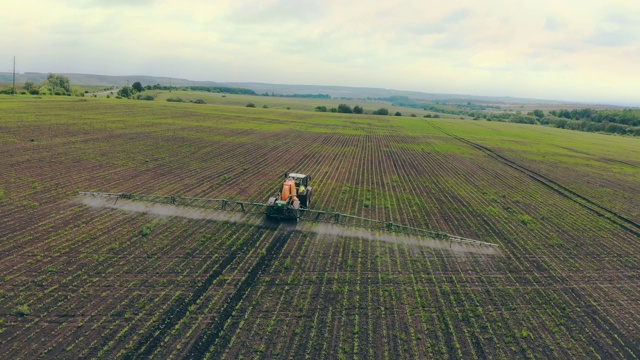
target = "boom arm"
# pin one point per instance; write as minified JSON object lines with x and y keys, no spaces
{"x":305,"y":214}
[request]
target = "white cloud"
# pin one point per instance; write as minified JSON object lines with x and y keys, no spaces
{"x":545,"y":49}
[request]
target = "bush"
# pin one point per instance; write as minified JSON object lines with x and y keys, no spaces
{"x":381,"y":111}
{"x":251,"y":105}
{"x":345,"y":109}
{"x":145,"y":97}
{"x":175,"y":99}
{"x":199,"y":101}
{"x":398,"y":113}
{"x":321,"y":108}
{"x":125,"y":92}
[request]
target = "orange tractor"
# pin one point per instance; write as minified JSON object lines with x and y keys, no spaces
{"x":294,"y":196}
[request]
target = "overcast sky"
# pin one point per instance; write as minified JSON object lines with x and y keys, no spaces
{"x":586,"y":50}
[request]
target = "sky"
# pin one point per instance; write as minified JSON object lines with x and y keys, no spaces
{"x":586,"y":50}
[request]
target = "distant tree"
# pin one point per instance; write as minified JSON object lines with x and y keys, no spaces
{"x":344,"y":108}
{"x":381,"y":111}
{"x":251,"y":105}
{"x":321,"y":108}
{"x":565,"y":114}
{"x":537,"y":113}
{"x":562,"y":123}
{"x":137,"y":86}
{"x":58,"y":84}
{"x":28,"y":85}
{"x":125,"y":92}
{"x":358,"y":109}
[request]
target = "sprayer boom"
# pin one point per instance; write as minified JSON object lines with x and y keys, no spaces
{"x":303,"y":214}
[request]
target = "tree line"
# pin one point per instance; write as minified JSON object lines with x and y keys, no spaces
{"x":223,"y":89}
{"x":52,"y":85}
{"x":357,"y":109}
{"x":622,"y":122}
{"x":303,"y":96}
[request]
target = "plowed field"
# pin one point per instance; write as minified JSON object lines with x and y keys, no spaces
{"x":85,"y":282}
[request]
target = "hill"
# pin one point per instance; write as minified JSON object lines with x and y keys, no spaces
{"x":283,"y":89}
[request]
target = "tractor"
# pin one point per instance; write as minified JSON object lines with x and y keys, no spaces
{"x":293,"y":198}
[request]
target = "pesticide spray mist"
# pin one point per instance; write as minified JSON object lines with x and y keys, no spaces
{"x":325,"y":230}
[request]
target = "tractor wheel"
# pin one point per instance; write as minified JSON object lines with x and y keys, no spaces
{"x":271,"y":211}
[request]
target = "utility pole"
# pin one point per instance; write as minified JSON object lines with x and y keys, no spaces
{"x":14,"y":75}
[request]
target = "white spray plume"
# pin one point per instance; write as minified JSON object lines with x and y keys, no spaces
{"x":328,"y":230}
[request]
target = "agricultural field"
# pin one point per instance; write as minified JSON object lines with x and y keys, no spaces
{"x":84,"y":281}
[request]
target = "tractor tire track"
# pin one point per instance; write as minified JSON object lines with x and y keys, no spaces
{"x":218,"y":334}
{"x":612,"y":216}
{"x":148,"y":344}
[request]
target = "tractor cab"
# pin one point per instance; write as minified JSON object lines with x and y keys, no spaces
{"x":302,"y":188}
{"x":300,"y":180}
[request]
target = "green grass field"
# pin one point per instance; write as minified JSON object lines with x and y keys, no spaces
{"x":84,"y":282}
